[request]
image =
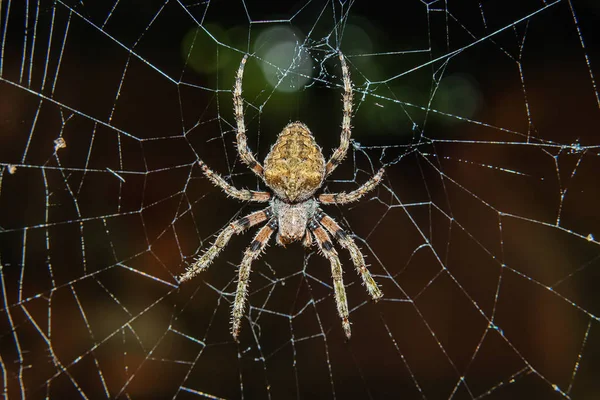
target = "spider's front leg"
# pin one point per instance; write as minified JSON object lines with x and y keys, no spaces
{"x":252,"y":252}
{"x":238,"y":107}
{"x":213,"y":251}
{"x":345,"y":198}
{"x":339,"y":153}
{"x":336,"y":271}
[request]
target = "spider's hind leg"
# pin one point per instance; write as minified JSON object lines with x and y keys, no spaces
{"x":252,"y":252}
{"x":213,"y":251}
{"x":336,"y":272}
{"x":348,"y":243}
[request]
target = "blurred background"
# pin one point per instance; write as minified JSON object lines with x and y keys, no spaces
{"x":483,"y":236}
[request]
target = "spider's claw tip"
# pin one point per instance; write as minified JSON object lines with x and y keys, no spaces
{"x":346,"y":326}
{"x":235,"y":328}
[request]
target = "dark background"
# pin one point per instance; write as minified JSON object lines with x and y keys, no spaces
{"x":483,"y":235}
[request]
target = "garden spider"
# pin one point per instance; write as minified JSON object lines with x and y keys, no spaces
{"x":294,"y":170}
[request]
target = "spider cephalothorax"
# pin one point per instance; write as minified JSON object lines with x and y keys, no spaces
{"x":294,"y":169}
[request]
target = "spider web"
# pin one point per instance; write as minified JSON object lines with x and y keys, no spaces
{"x":482,"y":236}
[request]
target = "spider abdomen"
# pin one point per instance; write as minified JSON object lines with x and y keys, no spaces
{"x":295,"y":166}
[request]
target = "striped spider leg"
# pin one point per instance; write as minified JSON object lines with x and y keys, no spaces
{"x":358,"y":259}
{"x":252,"y":253}
{"x":331,"y":254}
{"x":236,"y":227}
{"x":326,"y":246}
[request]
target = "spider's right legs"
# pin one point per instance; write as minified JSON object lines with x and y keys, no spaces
{"x":348,"y":243}
{"x":238,"y":107}
{"x":240,"y":194}
{"x":213,"y":251}
{"x":252,"y":252}
{"x":345,"y":198}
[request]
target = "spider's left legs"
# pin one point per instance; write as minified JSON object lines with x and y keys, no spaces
{"x":348,"y":243}
{"x":251,"y":254}
{"x":240,"y":194}
{"x":339,"y":153}
{"x":336,"y":271}
{"x":238,"y":107}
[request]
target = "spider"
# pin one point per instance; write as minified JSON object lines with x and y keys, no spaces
{"x":294,"y":170}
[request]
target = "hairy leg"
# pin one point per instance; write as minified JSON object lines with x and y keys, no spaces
{"x":339,"y":153}
{"x":329,"y":252}
{"x":240,"y":194}
{"x":238,"y":107}
{"x":345,"y":198}
{"x":307,"y":240}
{"x":357,"y":258}
{"x":251,"y":254}
{"x":213,"y":251}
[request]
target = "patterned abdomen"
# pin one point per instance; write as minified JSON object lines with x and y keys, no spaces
{"x":295,"y":167}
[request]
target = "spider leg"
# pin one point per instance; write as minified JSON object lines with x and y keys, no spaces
{"x":339,"y":153}
{"x":213,"y":251}
{"x":307,"y":240}
{"x":251,"y":254}
{"x":348,"y":243}
{"x":336,"y":271}
{"x":238,"y":107}
{"x":345,"y":198}
{"x":232,"y":191}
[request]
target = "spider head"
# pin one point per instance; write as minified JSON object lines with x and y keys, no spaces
{"x":295,"y":167}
